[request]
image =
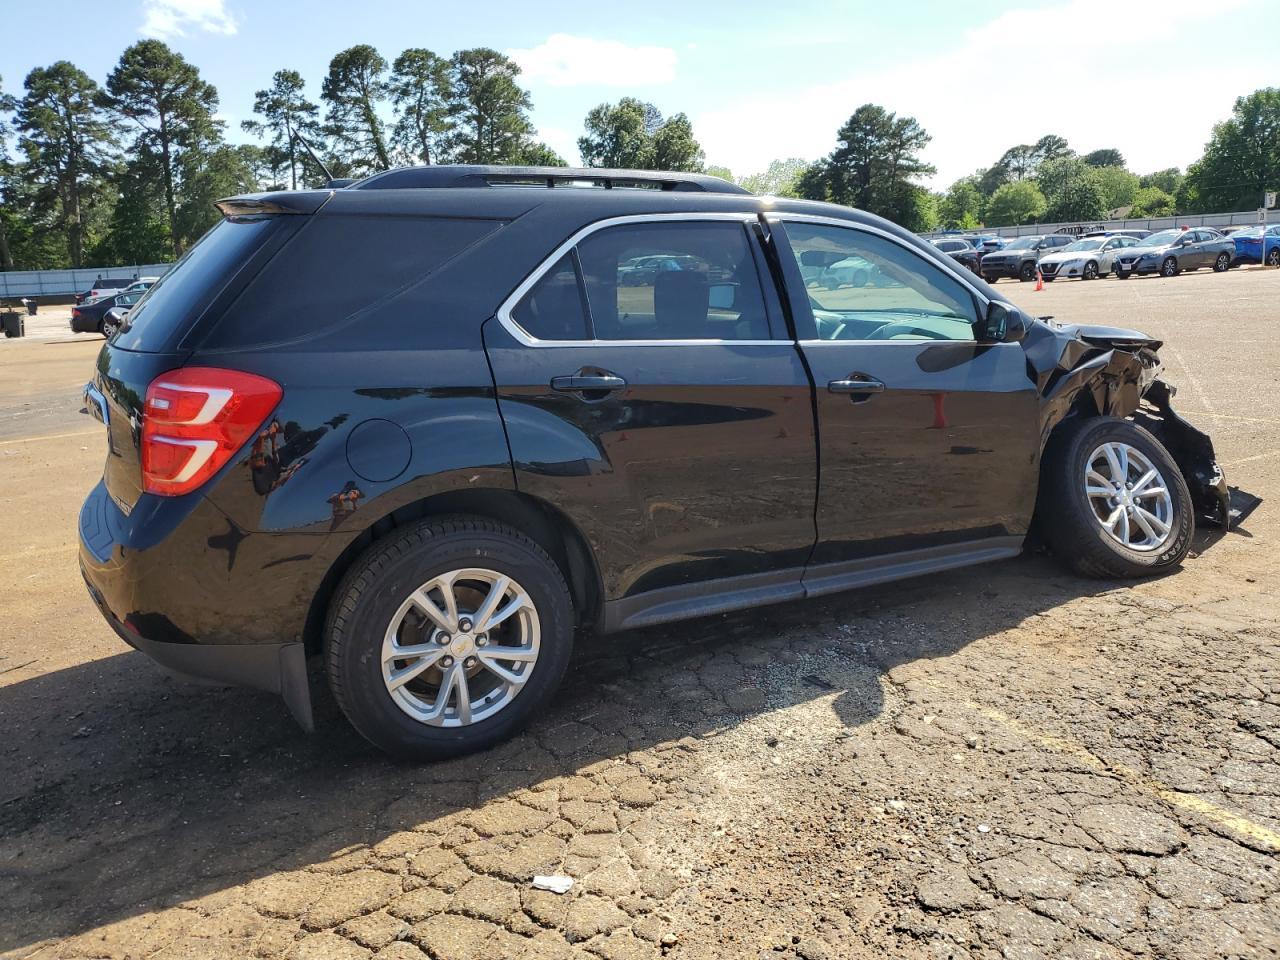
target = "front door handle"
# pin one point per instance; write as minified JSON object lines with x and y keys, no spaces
{"x":856,"y":386}
{"x":588,"y":383}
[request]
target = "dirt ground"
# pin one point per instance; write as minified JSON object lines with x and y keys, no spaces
{"x":1001,"y":761}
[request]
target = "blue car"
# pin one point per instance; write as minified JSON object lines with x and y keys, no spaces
{"x":1249,"y":245}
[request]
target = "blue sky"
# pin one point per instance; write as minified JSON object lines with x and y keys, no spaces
{"x":759,"y":80}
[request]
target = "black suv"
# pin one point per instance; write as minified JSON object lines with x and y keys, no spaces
{"x":1019,"y":257}
{"x":545,"y":400}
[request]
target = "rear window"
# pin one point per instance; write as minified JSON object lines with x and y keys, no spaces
{"x":177,"y":299}
{"x":338,"y":268}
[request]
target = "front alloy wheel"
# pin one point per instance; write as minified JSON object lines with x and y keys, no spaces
{"x":1129,"y":497}
{"x":1091,"y":271}
{"x":1222,"y":264}
{"x":1170,"y":267}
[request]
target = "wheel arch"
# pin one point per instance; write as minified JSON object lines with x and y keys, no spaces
{"x":537,"y":519}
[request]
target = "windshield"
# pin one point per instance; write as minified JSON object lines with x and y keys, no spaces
{"x":1082,"y":245}
{"x":1023,"y":243}
{"x":1163,"y":238}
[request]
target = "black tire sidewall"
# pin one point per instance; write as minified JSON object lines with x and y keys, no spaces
{"x":354,"y":661}
{"x":1071,"y":526}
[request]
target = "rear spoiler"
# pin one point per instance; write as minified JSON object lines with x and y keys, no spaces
{"x":277,"y":202}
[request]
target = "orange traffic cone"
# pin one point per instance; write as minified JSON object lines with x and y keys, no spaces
{"x":1039,"y":279}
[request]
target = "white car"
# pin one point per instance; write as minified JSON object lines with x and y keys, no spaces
{"x":141,"y":285}
{"x":1088,"y":259}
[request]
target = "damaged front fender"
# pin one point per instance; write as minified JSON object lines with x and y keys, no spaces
{"x":1090,"y":371}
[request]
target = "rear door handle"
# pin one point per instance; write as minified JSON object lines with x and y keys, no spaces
{"x":856,"y":386}
{"x":588,"y":383}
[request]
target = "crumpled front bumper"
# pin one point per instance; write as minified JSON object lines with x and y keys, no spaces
{"x":1192,"y":451}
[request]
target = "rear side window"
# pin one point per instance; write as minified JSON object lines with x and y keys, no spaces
{"x":684,"y":280}
{"x":338,"y":268}
{"x":553,"y":309}
{"x":178,"y":298}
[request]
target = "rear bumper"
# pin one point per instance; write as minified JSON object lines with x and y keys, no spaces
{"x":184,"y":605}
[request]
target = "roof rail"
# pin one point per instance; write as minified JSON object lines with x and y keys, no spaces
{"x":468,"y":175}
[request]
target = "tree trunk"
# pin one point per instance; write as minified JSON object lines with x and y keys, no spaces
{"x":6,"y":256}
{"x":168,"y":186}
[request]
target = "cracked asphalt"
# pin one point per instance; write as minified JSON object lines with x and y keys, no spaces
{"x":1005,"y":761}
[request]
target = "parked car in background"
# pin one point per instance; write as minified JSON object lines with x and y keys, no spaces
{"x":1087,"y":258}
{"x":103,"y":286}
{"x":961,"y":251}
{"x":88,"y":317}
{"x":1169,"y":252}
{"x":434,"y":509}
{"x":1249,"y":245}
{"x":114,"y":319}
{"x":141,"y":285}
{"x":1019,"y":257}
{"x":1136,"y":234}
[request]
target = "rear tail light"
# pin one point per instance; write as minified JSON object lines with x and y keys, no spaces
{"x":194,"y":421}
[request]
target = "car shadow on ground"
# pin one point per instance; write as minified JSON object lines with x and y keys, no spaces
{"x":126,"y":791}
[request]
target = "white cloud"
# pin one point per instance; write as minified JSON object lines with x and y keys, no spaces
{"x":1088,"y":70}
{"x":568,"y":61}
{"x":171,"y":18}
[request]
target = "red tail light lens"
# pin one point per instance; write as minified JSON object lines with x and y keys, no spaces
{"x":194,"y":420}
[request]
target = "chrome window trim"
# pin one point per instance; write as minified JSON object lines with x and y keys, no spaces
{"x":538,"y":272}
{"x":956,"y":272}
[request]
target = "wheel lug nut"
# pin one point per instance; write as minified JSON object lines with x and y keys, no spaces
{"x":443,"y":639}
{"x":482,"y":641}
{"x":446,"y":661}
{"x":469,"y":662}
{"x":464,"y":625}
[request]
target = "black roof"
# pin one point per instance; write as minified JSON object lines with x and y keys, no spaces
{"x":474,"y":175}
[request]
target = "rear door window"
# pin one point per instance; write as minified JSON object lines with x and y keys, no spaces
{"x":683,"y":280}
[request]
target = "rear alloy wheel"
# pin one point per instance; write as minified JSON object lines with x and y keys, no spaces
{"x":1273,"y":258}
{"x":1112,"y":501}
{"x":1090,"y":271}
{"x":1170,"y":267}
{"x":448,"y":638}
{"x":1027,"y":272}
{"x":1222,"y":264}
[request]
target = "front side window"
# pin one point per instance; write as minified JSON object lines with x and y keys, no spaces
{"x":862,"y":286}
{"x":680,"y":280}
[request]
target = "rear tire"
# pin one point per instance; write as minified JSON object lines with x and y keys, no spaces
{"x":373,"y":612}
{"x":1273,"y":258}
{"x":1072,"y":518}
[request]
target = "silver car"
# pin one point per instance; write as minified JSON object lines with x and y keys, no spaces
{"x":1087,"y":259}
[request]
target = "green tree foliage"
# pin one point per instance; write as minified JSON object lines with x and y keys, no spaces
{"x":138,"y":231}
{"x":1241,"y":159}
{"x":782,"y":179}
{"x":354,"y":88}
{"x":1152,"y":202}
{"x":222,"y":172}
{"x":66,"y":138}
{"x":422,"y":92}
{"x":164,"y":98}
{"x":284,"y":111}
{"x":963,"y":205}
{"x":1169,"y":180}
{"x":1072,"y":190}
{"x":491,"y":109}
{"x":724,"y":173}
{"x":1106,"y":157}
{"x":632,"y":134}
{"x":1021,"y":162}
{"x":535,"y":153}
{"x":873,"y":167}
{"x":1119,"y":186}
{"x":7,"y":174}
{"x":1016,"y":203}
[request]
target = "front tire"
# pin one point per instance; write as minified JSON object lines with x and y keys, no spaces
{"x":1112,"y":501}
{"x":1123,"y":274}
{"x":448,"y":637}
{"x":1222,"y":264}
{"x":1090,"y":270}
{"x":1170,"y":267}
{"x":1027,"y":272}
